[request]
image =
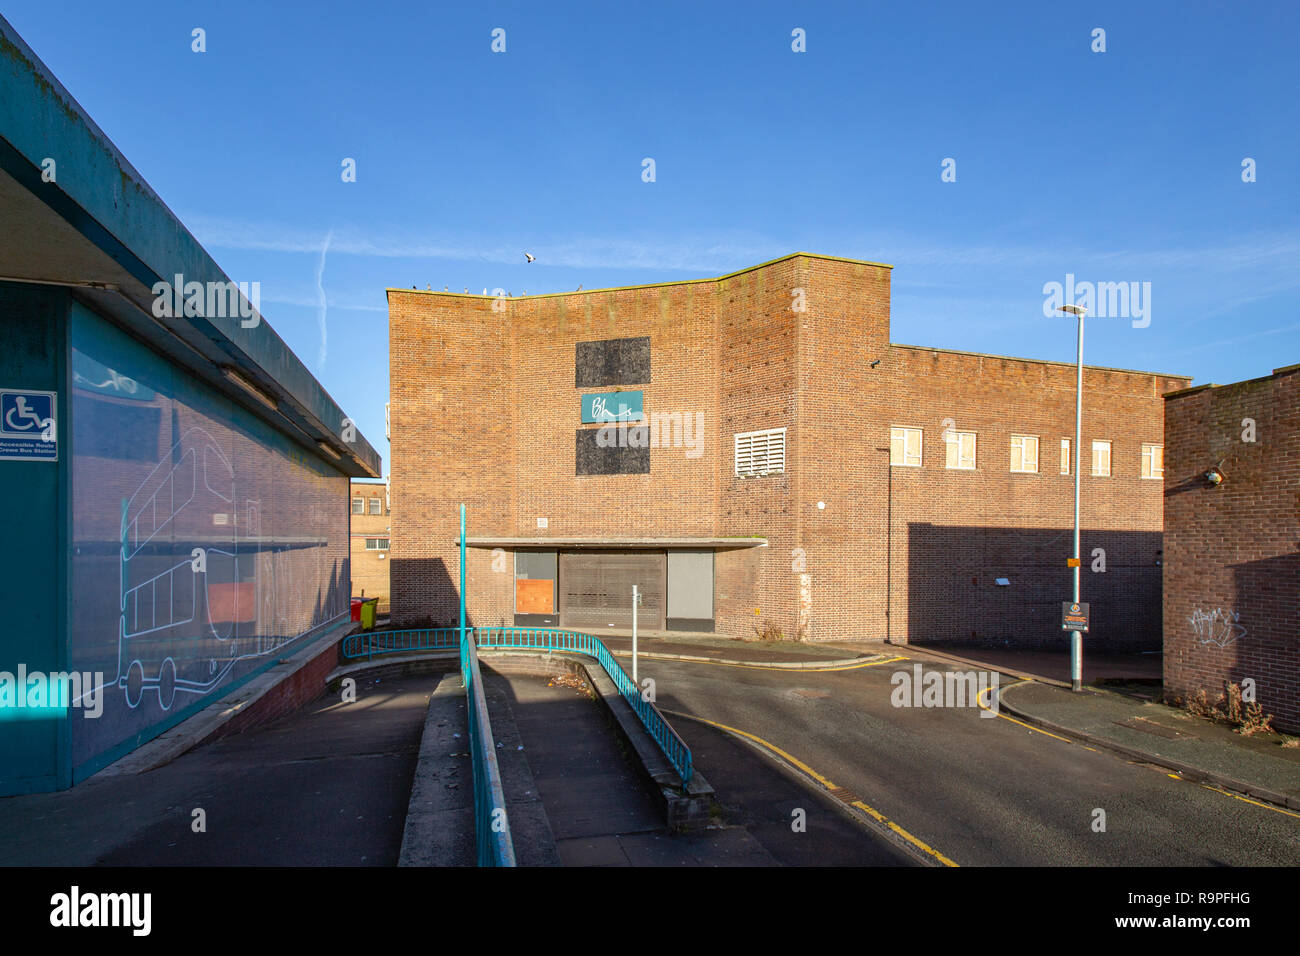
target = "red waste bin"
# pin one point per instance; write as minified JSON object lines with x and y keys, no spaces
{"x":356,"y":609}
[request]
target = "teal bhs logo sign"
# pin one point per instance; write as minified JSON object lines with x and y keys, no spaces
{"x":612,"y":407}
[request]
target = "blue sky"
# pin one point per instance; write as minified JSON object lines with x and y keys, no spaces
{"x":1122,"y":166}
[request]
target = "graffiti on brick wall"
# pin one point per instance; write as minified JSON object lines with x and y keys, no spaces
{"x":1218,"y":627}
{"x":805,"y":605}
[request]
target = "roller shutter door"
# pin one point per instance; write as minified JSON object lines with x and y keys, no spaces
{"x":596,"y":589}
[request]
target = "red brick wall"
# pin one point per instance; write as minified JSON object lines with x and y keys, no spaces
{"x":758,"y":388}
{"x":289,"y":695}
{"x":1234,"y":549}
{"x":453,"y":420}
{"x":484,"y":409}
{"x":956,"y":531}
{"x":369,"y":568}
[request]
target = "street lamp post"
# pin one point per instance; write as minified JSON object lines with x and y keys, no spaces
{"x":1076,"y":637}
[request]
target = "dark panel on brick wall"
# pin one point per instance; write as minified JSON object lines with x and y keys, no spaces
{"x":591,"y":459}
{"x":612,"y":362}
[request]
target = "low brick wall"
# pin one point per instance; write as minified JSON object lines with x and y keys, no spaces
{"x":301,"y":687}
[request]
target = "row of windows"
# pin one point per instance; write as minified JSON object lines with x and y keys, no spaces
{"x":376,"y":544}
{"x":905,"y":450}
{"x":763,"y":453}
{"x":359,"y":506}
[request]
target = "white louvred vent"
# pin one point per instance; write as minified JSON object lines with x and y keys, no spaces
{"x":760,"y":453}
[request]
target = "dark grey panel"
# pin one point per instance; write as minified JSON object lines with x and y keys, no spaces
{"x":689,"y":624}
{"x":535,"y":565}
{"x":612,"y":362}
{"x":592,"y":459}
{"x":690,"y":584}
{"x":537,"y":620}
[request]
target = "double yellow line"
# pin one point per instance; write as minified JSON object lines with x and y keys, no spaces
{"x":826,"y":783}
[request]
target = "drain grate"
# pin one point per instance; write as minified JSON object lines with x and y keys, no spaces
{"x":843,"y":795}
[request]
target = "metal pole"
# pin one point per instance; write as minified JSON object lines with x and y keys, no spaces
{"x":1076,"y":637}
{"x":634,"y":603}
{"x":462,"y":575}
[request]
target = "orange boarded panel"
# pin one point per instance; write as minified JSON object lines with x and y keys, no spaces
{"x":232,"y":601}
{"x":534,"y":597}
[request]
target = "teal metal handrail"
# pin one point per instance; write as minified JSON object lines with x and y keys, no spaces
{"x":491,"y":826}
{"x":555,"y":639}
{"x":366,"y":644}
{"x":536,"y":638}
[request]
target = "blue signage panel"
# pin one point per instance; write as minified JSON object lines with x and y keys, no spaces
{"x":28,"y":431}
{"x":611,"y":407}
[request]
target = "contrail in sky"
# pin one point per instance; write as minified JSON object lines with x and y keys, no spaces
{"x":320,"y":273}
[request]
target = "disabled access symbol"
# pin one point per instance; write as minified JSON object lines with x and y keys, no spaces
{"x":27,"y":425}
{"x":26,"y":412}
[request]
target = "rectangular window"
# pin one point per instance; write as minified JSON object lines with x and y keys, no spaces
{"x":760,"y":453}
{"x":1024,"y":453}
{"x":358,"y":506}
{"x":960,"y":450}
{"x":376,"y":544}
{"x":1065,"y":456}
{"x":905,"y":447}
{"x":374,"y":506}
{"x":1101,"y":459}
{"x":1153,"y":461}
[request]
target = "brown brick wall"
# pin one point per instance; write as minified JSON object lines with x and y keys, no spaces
{"x":370,"y":568}
{"x":956,"y":531}
{"x":1234,"y":549}
{"x":484,"y":409}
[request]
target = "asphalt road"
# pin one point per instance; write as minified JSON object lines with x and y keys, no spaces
{"x":978,"y":790}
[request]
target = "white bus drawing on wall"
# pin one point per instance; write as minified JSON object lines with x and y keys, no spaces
{"x":181,"y":615}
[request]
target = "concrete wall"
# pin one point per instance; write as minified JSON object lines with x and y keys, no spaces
{"x":33,"y":565}
{"x":164,"y":469}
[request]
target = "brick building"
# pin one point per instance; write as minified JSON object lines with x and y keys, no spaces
{"x":1232,"y":576}
{"x":773,"y":404}
{"x":370,"y":541}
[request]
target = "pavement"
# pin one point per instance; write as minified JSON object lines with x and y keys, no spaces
{"x":1050,"y":666}
{"x":324,"y":786}
{"x":729,"y":650}
{"x":1202,"y":750}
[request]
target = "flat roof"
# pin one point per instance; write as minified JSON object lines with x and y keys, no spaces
{"x":1012,"y":358}
{"x":655,"y":285}
{"x":101,"y":231}
{"x":1284,"y":370}
{"x":606,"y":543}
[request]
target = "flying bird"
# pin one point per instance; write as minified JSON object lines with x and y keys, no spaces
{"x":530,"y":258}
